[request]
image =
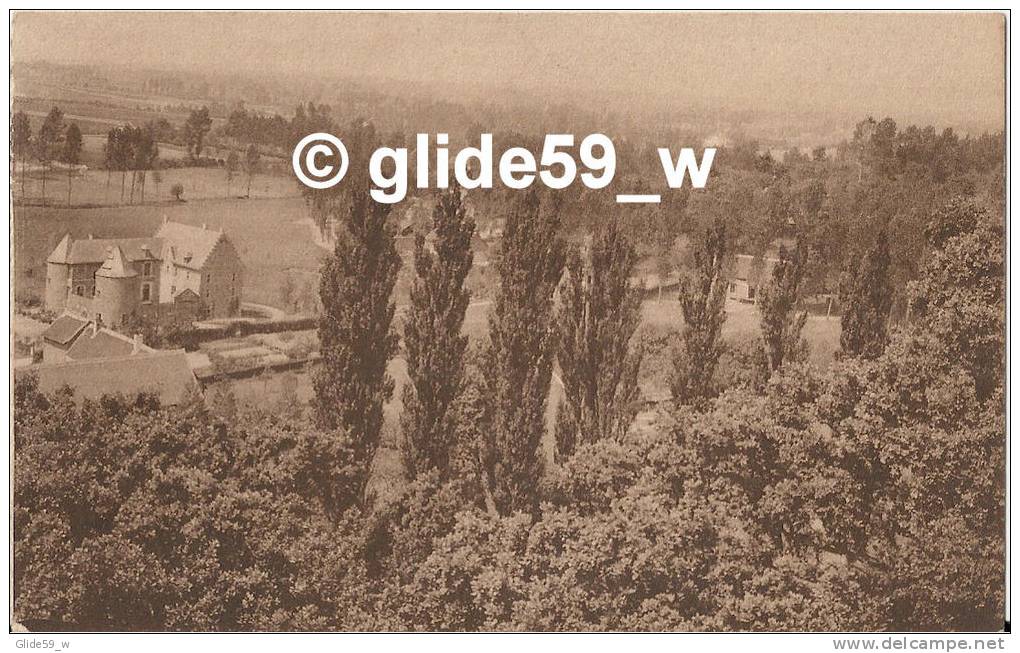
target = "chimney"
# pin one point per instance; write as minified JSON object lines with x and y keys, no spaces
{"x":205,"y":227}
{"x":136,"y":345}
{"x":94,"y":327}
{"x":91,"y":236}
{"x":165,"y":218}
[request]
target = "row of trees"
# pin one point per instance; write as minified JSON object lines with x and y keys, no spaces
{"x":134,"y":149}
{"x":868,"y":498}
{"x":274,"y":131}
{"x":55,"y":141}
{"x":127,"y":148}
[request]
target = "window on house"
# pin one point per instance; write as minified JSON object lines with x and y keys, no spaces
{"x":79,"y":290}
{"x":147,"y":269}
{"x":146,"y":292}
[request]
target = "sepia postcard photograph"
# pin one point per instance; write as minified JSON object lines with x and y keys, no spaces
{"x":509,"y":321}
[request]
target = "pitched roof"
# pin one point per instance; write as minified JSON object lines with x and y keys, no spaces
{"x":164,"y":373}
{"x":64,"y":329}
{"x":189,"y":246}
{"x":186,"y":245}
{"x":103,"y":344}
{"x":95,"y":250}
{"x":61,"y":251}
{"x":114,"y":266}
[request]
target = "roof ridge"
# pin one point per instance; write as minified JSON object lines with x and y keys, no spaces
{"x":153,"y":353}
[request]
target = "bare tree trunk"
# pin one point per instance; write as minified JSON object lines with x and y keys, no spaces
{"x":69,"y":185}
{"x":123,"y":175}
{"x":106,"y":195}
{"x":248,"y":196}
{"x":44,"y":183}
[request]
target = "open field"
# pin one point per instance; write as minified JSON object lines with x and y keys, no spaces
{"x":98,"y":188}
{"x":95,"y":114}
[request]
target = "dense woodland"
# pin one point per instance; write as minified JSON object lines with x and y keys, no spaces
{"x":767,"y":495}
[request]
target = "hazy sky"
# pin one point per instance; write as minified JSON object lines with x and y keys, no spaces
{"x":945,"y":65}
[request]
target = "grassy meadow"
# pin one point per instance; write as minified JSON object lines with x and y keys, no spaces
{"x":96,"y":187}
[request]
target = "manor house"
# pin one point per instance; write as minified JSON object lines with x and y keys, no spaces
{"x":182,"y":273}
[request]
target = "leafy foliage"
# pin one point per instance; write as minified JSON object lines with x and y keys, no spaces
{"x":196,"y":127}
{"x":597,"y":316}
{"x":866,"y":293}
{"x":355,"y":335}
{"x":433,"y":341}
{"x":702,"y":300}
{"x":781,"y":323}
{"x":520,"y":355}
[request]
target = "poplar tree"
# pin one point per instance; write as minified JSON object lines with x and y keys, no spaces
{"x":251,"y":165}
{"x":703,"y":303}
{"x":71,"y":154}
{"x":598,"y":314}
{"x":49,"y":141}
{"x":21,"y":142}
{"x":355,"y":334}
{"x":433,"y":341}
{"x":866,"y":294}
{"x":518,"y":363}
{"x":781,"y":322}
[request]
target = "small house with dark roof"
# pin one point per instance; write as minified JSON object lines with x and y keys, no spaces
{"x":72,"y":337}
{"x":58,"y":338}
{"x":115,"y":280}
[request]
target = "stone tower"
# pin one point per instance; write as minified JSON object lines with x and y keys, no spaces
{"x":116,"y":290}
{"x":58,"y":271}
